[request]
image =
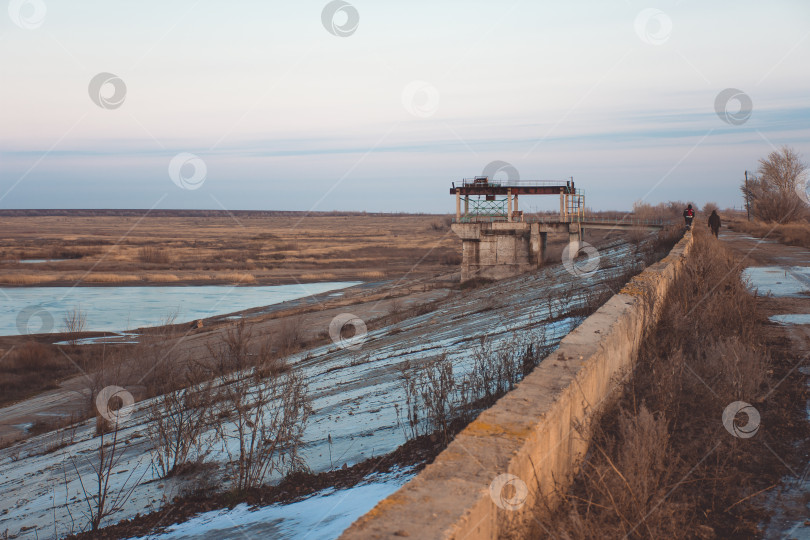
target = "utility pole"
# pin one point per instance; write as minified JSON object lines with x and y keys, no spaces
{"x":747,"y":197}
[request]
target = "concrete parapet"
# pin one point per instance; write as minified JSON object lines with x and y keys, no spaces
{"x":538,"y":432}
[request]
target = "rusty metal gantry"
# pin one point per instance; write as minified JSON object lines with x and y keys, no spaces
{"x":572,"y":201}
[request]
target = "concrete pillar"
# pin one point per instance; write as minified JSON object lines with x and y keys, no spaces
{"x":562,"y":206}
{"x":466,"y":205}
{"x":516,"y":204}
{"x":537,"y":245}
{"x":508,"y":204}
{"x":543,"y":244}
{"x":573,"y":239}
{"x":458,"y":205}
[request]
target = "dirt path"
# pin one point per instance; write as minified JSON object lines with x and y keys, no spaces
{"x":784,"y":271}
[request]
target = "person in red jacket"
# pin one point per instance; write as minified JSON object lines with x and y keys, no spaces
{"x":688,"y":216}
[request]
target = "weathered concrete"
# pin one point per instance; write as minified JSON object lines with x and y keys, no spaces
{"x":501,"y":249}
{"x":538,"y":432}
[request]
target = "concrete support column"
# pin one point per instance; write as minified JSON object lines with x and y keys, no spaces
{"x":516,"y":204}
{"x":508,"y":204}
{"x":543,"y":244}
{"x":466,"y":205}
{"x":458,"y":205}
{"x":562,"y":206}
{"x":573,"y":238}
{"x":537,"y":245}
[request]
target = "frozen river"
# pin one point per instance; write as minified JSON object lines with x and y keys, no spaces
{"x":34,"y":310}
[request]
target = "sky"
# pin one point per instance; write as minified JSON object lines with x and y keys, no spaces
{"x":379,"y":106}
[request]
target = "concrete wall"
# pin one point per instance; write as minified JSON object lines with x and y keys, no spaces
{"x":498,"y":250}
{"x":538,"y":432}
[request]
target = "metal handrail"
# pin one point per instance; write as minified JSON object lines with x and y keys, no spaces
{"x":556,"y":219}
{"x":517,"y":183}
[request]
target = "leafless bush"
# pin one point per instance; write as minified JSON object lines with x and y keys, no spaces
{"x":496,"y":370}
{"x":292,"y":335}
{"x":437,"y":225}
{"x":155,"y":255}
{"x":178,"y":423}
{"x":436,"y":387}
{"x":435,"y":396}
{"x":101,"y":498}
{"x":408,"y":381}
{"x":628,"y":494}
{"x":262,"y":410}
{"x":75,"y":322}
{"x":635,"y":236}
{"x":710,"y":207}
{"x":793,"y":234}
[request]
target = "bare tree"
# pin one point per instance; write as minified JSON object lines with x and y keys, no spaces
{"x":774,"y":191}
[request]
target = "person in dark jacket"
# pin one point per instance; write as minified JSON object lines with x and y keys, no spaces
{"x":688,"y":216}
{"x":714,"y":223}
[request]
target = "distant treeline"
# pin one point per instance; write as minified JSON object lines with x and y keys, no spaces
{"x":194,"y":213}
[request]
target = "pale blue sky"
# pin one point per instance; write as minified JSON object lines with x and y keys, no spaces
{"x":286,"y":115}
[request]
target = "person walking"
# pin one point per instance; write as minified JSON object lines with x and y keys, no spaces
{"x":714,"y":223}
{"x":688,"y":216}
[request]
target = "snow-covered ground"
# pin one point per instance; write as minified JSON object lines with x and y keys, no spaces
{"x":323,"y":516}
{"x":354,"y":395}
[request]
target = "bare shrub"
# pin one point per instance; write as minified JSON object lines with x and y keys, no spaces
{"x":628,"y":491}
{"x":407,"y":378}
{"x":435,"y":396}
{"x":793,"y":234}
{"x":178,"y":422}
{"x":450,"y":259}
{"x":292,"y":335}
{"x":710,"y":207}
{"x":263,"y":411}
{"x":75,"y":322}
{"x":154,"y":255}
{"x":436,"y":387}
{"x":635,"y":236}
{"x":100,"y":497}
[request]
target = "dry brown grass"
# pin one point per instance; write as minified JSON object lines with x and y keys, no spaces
{"x":792,"y":234}
{"x":161,"y":278}
{"x":211,"y":247}
{"x":665,"y":432}
{"x":317,"y":276}
{"x":237,"y":277}
{"x":104,"y":278}
{"x":32,"y":367}
{"x":155,"y":255}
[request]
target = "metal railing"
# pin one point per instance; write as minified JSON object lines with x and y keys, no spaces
{"x":514,"y":183}
{"x":557,"y":219}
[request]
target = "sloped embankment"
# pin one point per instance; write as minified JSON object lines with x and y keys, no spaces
{"x":534,"y":436}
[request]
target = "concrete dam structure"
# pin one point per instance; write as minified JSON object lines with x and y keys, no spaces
{"x":501,"y":249}
{"x":534,"y":438}
{"x":498,"y":240}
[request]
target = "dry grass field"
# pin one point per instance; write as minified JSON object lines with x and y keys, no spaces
{"x":267,"y":248}
{"x":791,"y":234}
